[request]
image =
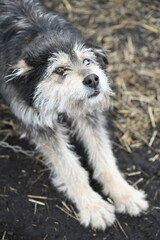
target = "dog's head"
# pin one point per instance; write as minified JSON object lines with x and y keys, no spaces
{"x":67,"y":77}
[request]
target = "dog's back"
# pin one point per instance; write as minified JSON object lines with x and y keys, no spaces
{"x":28,"y":26}
{"x":23,"y":20}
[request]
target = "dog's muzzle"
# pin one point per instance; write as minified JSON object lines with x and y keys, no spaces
{"x":92,"y":81}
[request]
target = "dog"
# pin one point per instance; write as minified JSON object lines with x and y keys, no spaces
{"x":51,"y":75}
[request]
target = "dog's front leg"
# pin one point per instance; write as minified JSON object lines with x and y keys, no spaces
{"x":69,"y":177}
{"x":91,"y":131}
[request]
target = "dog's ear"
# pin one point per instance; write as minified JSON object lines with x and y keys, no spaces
{"x":18,"y":70}
{"x":21,"y":67}
{"x":99,"y":52}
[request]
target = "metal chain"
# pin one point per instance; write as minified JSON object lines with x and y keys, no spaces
{"x":16,"y":148}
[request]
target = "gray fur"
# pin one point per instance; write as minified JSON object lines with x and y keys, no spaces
{"x":43,"y":64}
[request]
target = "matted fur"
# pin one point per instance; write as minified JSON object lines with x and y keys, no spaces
{"x":49,"y":70}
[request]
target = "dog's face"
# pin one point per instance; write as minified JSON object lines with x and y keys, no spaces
{"x":73,"y":82}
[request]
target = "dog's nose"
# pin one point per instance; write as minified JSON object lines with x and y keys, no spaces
{"x":91,"y":81}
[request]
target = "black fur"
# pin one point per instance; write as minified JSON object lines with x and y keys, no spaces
{"x":31,"y":32}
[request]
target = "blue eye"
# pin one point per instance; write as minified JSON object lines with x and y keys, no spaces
{"x":86,"y":61}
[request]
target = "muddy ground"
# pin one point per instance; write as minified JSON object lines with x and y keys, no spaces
{"x":32,"y":209}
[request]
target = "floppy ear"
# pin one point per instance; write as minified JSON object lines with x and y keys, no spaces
{"x":21,"y":67}
{"x":99,"y":52}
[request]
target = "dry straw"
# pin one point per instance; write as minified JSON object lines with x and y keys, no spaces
{"x":130,"y":29}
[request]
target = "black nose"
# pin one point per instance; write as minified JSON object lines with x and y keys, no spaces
{"x":91,"y":81}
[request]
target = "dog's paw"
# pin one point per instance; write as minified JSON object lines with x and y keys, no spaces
{"x":97,"y":214}
{"x":132,"y":202}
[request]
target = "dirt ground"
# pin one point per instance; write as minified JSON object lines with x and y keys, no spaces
{"x":32,"y":209}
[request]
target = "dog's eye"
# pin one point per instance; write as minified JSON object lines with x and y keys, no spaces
{"x":60,"y":70}
{"x":86,"y":61}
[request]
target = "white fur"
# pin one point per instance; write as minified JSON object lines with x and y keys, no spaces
{"x":56,"y":94}
{"x":69,"y":177}
{"x":70,"y":94}
{"x":95,"y":139}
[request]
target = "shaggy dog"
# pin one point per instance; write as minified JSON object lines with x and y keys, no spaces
{"x":49,"y":73}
